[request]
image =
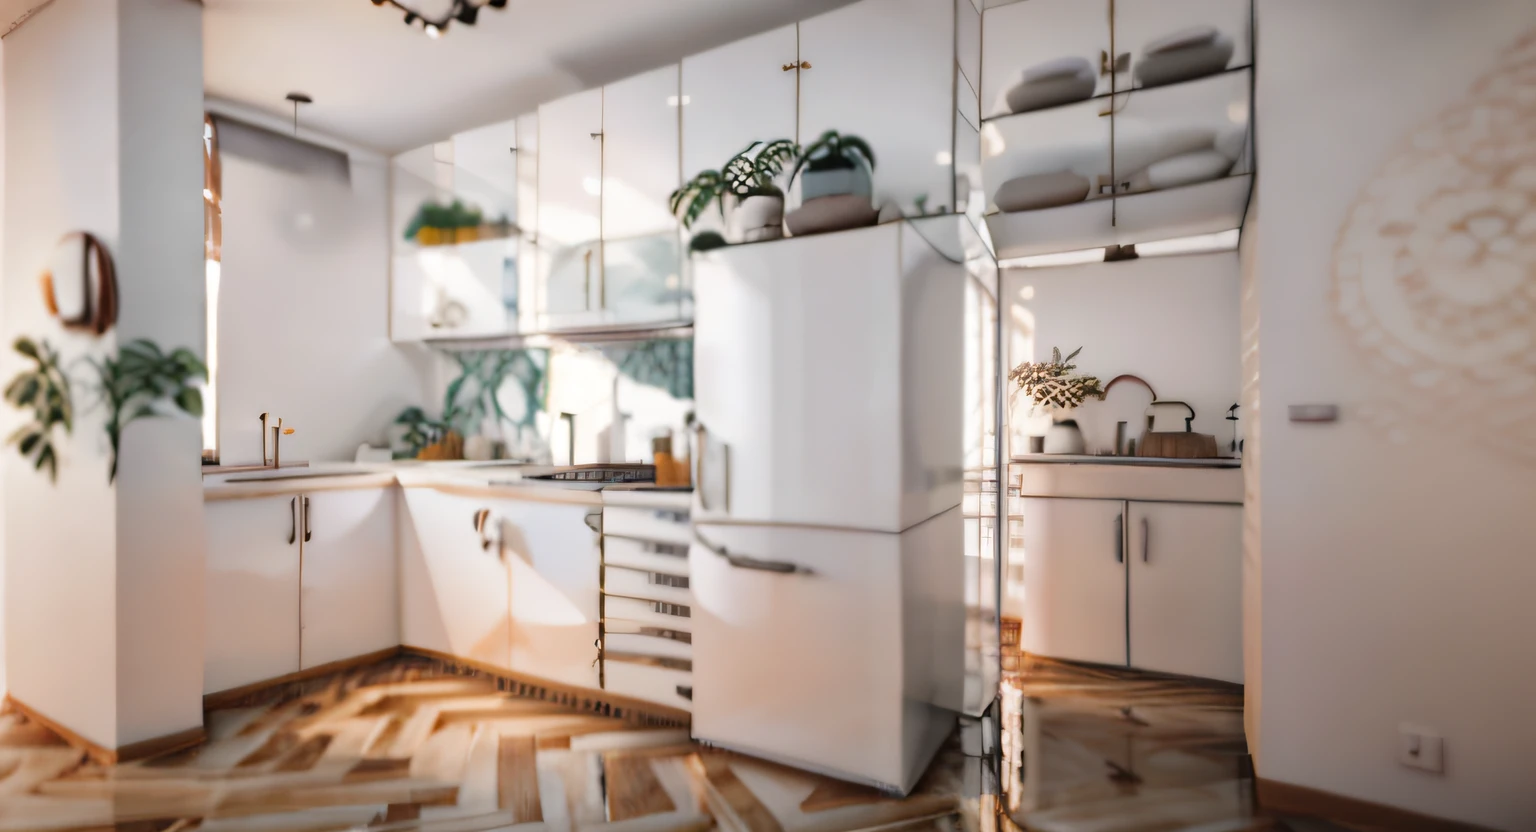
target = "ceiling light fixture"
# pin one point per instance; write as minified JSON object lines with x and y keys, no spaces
{"x":466,"y":12}
{"x":298,"y":98}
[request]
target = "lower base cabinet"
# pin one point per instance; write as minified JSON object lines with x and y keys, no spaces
{"x":298,"y":581}
{"x":1151,"y":585}
{"x":828,"y":649}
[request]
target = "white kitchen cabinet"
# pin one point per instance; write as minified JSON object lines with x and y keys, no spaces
{"x":552,"y":559}
{"x":350,"y":586}
{"x":825,"y":649}
{"x":252,"y":591}
{"x":1074,"y":579}
{"x":734,"y":95}
{"x":570,"y":204}
{"x":642,"y":255}
{"x":1186,"y":613}
{"x":453,"y":591}
{"x":826,"y":374}
{"x":647,"y":600}
{"x":1020,"y":36}
{"x":863,"y":59}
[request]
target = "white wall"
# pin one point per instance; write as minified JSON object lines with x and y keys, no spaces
{"x":304,"y":314}
{"x":1169,"y":320}
{"x":62,"y":175}
{"x":105,"y":583}
{"x":2,"y":308}
{"x":1398,"y":568}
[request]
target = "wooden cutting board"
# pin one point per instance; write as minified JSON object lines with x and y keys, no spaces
{"x":1183,"y":445}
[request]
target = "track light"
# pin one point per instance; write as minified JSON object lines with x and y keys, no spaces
{"x":466,"y":12}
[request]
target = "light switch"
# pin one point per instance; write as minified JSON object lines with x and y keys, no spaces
{"x":1420,"y":747}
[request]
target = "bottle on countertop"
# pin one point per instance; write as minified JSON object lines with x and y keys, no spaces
{"x":661,"y":457}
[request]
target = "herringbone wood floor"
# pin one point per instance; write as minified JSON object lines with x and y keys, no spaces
{"x":405,"y":745}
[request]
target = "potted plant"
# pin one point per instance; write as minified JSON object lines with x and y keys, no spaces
{"x":465,"y":222}
{"x":749,"y":201}
{"x":1053,"y":387}
{"x":835,"y":185}
{"x":834,"y":164}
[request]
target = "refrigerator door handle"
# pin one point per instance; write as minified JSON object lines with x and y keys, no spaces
{"x":701,"y":436}
{"x":746,"y":562}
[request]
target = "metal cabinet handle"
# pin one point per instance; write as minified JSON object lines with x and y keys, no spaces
{"x":702,"y":436}
{"x":788,"y":67}
{"x":482,"y":519}
{"x":307,"y":530}
{"x":1119,"y":538}
{"x":805,"y":64}
{"x":685,"y":691}
{"x":1146,"y":539}
{"x":293,"y":516}
{"x":745,"y":562}
{"x":594,"y":521}
{"x":587,"y":284}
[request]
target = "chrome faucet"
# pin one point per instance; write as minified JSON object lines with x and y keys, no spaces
{"x":278,"y":432}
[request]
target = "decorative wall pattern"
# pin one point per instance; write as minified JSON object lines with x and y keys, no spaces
{"x":1434,"y":271}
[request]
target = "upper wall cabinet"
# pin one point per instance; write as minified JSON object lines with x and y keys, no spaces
{"x":883,"y":70}
{"x":456,"y":209}
{"x":735,"y":95}
{"x":571,"y":204}
{"x":642,"y":255}
{"x":1114,"y":123}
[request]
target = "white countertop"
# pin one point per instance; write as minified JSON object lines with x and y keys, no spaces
{"x":492,"y":478}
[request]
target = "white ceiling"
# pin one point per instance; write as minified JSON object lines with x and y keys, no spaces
{"x":382,"y":85}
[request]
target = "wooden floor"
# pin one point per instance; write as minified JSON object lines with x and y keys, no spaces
{"x":406,"y":745}
{"x":411,"y":744}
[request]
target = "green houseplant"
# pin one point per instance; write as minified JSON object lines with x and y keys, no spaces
{"x":834,"y":164}
{"x":139,"y":379}
{"x":44,"y":390}
{"x":744,"y":189}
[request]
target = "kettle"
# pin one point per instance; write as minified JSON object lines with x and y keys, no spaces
{"x":1170,"y":433}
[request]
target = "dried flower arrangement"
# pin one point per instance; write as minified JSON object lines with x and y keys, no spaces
{"x":1052,"y":385}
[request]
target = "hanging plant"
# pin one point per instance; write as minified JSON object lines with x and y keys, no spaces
{"x":44,"y":390}
{"x":1052,"y":385}
{"x":141,"y":377}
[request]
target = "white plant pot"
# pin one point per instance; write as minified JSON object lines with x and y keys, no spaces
{"x":756,"y":218}
{"x":1064,"y":437}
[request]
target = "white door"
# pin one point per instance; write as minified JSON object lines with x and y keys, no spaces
{"x":1074,"y":579}
{"x":350,"y":603}
{"x":797,"y":382}
{"x":804,"y":666}
{"x":642,"y":263}
{"x":1186,"y":589}
{"x":554,"y":563}
{"x":253,"y":591}
{"x":884,"y":70}
{"x":734,"y":95}
{"x":570,"y":202}
{"x":453,"y":590}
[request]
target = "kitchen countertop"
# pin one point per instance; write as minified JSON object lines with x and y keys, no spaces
{"x":487,"y":478}
{"x":1094,"y":459}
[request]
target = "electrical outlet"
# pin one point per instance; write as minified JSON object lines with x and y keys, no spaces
{"x":1421,"y":748}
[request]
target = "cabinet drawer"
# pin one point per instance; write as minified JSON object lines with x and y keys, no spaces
{"x":656,"y":524}
{"x":645,"y":643}
{"x":640,"y":583}
{"x":645,"y":554}
{"x":649,"y":683}
{"x":649,"y":613}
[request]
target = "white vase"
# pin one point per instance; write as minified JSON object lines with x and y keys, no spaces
{"x":756,"y":218}
{"x":1064,"y":437}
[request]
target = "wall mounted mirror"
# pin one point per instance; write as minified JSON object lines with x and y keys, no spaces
{"x":80,"y":285}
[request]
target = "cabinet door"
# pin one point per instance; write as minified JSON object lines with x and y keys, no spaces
{"x":642,"y":263}
{"x":253,"y":592}
{"x":350,"y":603}
{"x":865,"y":57}
{"x":735,"y":95}
{"x":553,"y":557}
{"x":453,"y":592}
{"x":570,"y":201}
{"x":1074,"y":579}
{"x":1186,"y":589}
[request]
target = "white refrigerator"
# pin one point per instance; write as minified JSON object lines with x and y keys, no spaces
{"x":827,"y":564}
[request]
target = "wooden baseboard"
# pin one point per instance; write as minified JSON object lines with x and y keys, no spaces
{"x":1290,"y":799}
{"x":257,"y":691}
{"x":141,"y":750}
{"x":587,"y":699}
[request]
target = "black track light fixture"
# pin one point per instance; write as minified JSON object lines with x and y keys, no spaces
{"x":466,"y":12}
